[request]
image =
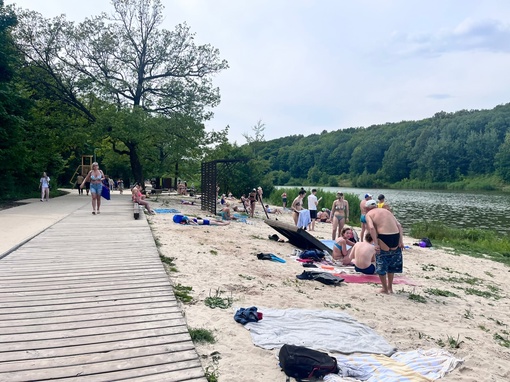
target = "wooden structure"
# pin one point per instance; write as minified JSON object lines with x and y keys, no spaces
{"x":89,"y":300}
{"x":297,"y":236}
{"x":209,"y":176}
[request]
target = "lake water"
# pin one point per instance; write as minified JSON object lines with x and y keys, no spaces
{"x":454,"y":209}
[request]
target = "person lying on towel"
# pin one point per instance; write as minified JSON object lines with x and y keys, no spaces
{"x":363,"y":256}
{"x":196,"y":221}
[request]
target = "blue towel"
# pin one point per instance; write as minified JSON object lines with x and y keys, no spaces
{"x":166,"y":211}
{"x":328,"y":243}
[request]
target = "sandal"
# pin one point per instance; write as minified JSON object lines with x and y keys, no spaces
{"x":93,"y":212}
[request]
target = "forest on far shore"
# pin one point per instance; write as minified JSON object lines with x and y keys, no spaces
{"x":468,"y":149}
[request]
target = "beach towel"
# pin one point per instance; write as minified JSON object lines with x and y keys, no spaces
{"x":166,"y":211}
{"x":304,"y":219}
{"x":322,"y":330}
{"x":364,"y":279}
{"x":411,"y":366}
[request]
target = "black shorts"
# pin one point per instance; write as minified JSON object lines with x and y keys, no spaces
{"x":313,"y":214}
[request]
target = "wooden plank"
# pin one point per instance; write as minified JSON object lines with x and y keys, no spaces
{"x":28,"y":323}
{"x":105,"y":347}
{"x":85,"y":359}
{"x":72,"y":333}
{"x":170,"y":303}
{"x":181,"y":360}
{"x":112,"y":335}
{"x":74,"y":325}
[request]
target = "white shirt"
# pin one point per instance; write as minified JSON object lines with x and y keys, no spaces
{"x":312,"y":200}
{"x":45,"y":182}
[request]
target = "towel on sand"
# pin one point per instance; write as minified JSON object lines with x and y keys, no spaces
{"x":410,"y":366}
{"x":323,"y":330}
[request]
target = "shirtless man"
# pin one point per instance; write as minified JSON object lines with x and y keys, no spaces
{"x":384,"y":228}
{"x":342,"y":247}
{"x":297,"y":205}
{"x":363,"y":256}
{"x":363,"y":213}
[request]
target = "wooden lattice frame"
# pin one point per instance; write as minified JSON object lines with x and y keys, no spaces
{"x":210,"y":181}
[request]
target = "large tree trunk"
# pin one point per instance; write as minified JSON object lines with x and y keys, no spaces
{"x":136,"y":166}
{"x":176,"y":174}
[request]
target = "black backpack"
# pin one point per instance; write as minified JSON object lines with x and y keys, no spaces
{"x":313,"y":254}
{"x":427,"y":242}
{"x":303,"y":363}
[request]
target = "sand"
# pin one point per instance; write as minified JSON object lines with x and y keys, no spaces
{"x":223,"y":260}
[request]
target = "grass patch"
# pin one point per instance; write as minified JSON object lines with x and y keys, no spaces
{"x":213,"y":252}
{"x":482,"y":293}
{"x":212,"y":374}
{"x":440,"y":292}
{"x":468,"y":314}
{"x":503,"y":341}
{"x":217,"y":301}
{"x":246,"y":277}
{"x":428,"y":267}
{"x":454,"y":343}
{"x":483,"y":328}
{"x":181,"y":293}
{"x":489,"y":274}
{"x":170,"y":262}
{"x":335,"y":305}
{"x":201,"y":336}
{"x":469,"y":241}
{"x":417,"y":298}
{"x":460,"y":280}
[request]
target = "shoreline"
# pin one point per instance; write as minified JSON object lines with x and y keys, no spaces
{"x":456,"y":296}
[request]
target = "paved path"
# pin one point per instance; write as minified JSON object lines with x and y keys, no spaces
{"x":88,"y":299}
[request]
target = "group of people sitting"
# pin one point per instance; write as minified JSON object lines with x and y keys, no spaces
{"x":348,"y":250}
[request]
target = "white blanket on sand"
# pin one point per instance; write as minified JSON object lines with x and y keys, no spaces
{"x":323,"y":330}
{"x":411,"y":366}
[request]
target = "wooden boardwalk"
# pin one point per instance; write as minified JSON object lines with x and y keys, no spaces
{"x":89,"y":300}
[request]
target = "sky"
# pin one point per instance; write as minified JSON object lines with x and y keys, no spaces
{"x":303,"y":66}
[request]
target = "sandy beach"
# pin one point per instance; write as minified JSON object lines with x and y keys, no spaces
{"x":456,"y":297}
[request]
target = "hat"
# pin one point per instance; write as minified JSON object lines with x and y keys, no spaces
{"x":370,"y":203}
{"x":368,"y":196}
{"x":380,"y":197}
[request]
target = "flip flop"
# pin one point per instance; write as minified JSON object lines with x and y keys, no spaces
{"x":276,"y":258}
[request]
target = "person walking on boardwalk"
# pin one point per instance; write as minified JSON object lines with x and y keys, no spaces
{"x":44,"y":185}
{"x":95,"y":177}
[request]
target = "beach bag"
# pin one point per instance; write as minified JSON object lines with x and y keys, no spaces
{"x":302,"y":363}
{"x":426,"y":241}
{"x":314,"y":254}
{"x":105,"y":192}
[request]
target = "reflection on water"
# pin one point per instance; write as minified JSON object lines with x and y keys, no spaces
{"x":454,"y":209}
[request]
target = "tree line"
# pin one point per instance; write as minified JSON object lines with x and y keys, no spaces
{"x":446,"y":150}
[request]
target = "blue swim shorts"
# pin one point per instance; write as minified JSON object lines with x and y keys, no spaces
{"x":363,"y":219}
{"x":206,"y":222}
{"x":370,"y":270}
{"x":96,"y":188}
{"x":388,"y":262}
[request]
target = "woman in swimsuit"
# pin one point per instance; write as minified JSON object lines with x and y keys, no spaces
{"x":95,"y":177}
{"x":343,"y":245}
{"x":340,"y":209}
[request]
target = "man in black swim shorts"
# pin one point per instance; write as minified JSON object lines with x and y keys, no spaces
{"x":383,"y":226}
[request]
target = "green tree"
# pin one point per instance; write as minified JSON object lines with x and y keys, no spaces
{"x":127,"y":59}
